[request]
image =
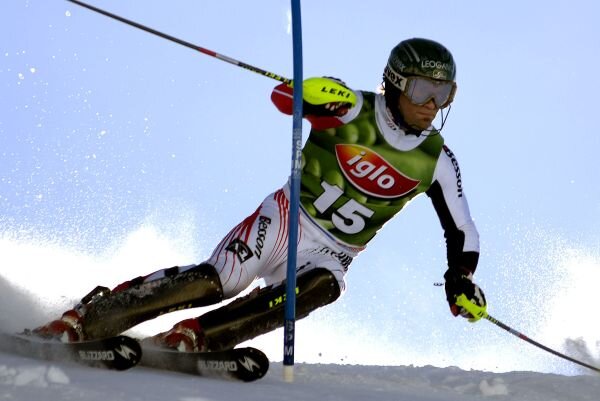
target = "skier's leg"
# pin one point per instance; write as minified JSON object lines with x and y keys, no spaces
{"x":240,"y":257}
{"x":322,"y":265}
{"x":254,"y":247}
{"x":259,"y":312}
{"x":236,"y":262}
{"x":104,"y":313}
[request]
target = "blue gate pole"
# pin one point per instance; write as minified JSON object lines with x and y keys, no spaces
{"x":296,"y":170}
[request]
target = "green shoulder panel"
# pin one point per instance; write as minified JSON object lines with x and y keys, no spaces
{"x":353,"y":181}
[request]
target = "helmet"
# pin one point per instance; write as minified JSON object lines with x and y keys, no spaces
{"x":416,"y":57}
{"x":422,"y":57}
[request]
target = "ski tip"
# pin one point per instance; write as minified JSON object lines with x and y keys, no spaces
{"x":127,"y":350}
{"x":252,"y":363}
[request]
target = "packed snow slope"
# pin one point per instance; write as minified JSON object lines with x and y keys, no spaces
{"x":22,"y":379}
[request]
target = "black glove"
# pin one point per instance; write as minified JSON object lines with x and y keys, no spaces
{"x":461,"y":282}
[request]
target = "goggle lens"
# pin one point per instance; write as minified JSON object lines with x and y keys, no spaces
{"x":420,"y":90}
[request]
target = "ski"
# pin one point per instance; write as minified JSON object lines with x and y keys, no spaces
{"x":117,"y":353}
{"x":244,"y":364}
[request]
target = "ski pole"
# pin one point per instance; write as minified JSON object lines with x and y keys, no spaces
{"x":479,"y":312}
{"x":185,"y":43}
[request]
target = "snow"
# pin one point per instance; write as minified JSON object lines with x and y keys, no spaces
{"x":25,"y":379}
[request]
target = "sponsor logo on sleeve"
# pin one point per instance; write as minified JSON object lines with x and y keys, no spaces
{"x":459,"y":189}
{"x":261,"y":236}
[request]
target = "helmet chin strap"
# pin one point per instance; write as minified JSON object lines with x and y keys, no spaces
{"x":444,"y":117}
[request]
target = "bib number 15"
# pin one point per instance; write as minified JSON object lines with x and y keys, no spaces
{"x":350,"y":217}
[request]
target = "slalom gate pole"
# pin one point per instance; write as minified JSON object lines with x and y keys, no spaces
{"x":479,"y":312}
{"x":184,"y":43}
{"x":290,"y":302}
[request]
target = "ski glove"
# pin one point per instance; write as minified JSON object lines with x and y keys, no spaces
{"x":326,"y":96}
{"x":459,"y":282}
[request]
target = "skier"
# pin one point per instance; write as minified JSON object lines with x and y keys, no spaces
{"x":366,"y":157}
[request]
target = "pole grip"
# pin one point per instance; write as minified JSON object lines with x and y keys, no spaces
{"x":478,"y":312}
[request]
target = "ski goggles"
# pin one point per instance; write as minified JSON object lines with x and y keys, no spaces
{"x":420,"y":90}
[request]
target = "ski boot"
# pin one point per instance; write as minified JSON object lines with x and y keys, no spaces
{"x":69,"y":328}
{"x":185,"y":336}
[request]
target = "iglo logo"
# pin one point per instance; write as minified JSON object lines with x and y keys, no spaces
{"x":371,"y":173}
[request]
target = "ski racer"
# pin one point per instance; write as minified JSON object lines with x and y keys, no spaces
{"x":366,"y":157}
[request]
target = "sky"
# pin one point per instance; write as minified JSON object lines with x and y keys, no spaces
{"x":122,"y":153}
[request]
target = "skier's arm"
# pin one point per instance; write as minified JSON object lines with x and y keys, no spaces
{"x":462,"y":239}
{"x":328,"y":102}
{"x":450,"y":203}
